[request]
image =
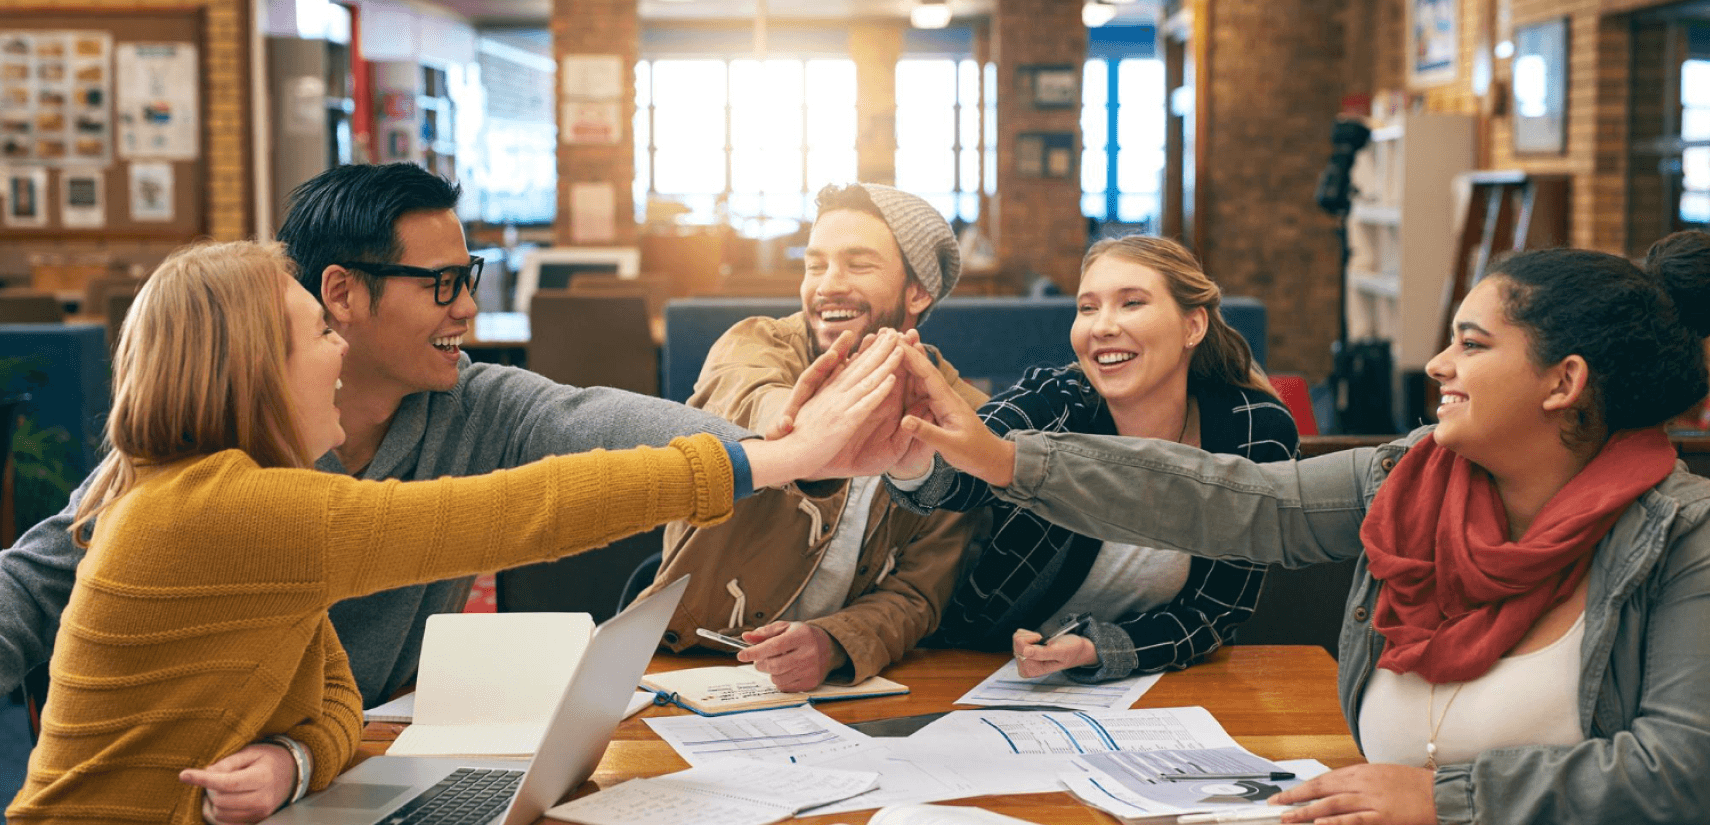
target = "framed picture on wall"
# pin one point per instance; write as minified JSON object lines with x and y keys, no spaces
{"x":1045,"y":154}
{"x":1540,"y":87}
{"x":1050,"y":87}
{"x":1433,"y":42}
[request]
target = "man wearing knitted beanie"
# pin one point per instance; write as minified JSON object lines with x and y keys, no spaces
{"x":828,"y":579}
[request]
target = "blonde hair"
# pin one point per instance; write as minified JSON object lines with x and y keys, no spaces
{"x":1223,"y":355}
{"x":200,"y":368}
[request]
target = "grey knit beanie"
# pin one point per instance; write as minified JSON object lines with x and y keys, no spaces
{"x":924,"y":236}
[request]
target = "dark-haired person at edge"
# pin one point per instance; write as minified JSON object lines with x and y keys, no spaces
{"x":1154,"y":358}
{"x":382,"y":249}
{"x":198,"y":626}
{"x":1526,"y":637}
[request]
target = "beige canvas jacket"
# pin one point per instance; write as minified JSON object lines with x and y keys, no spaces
{"x":751,"y":568}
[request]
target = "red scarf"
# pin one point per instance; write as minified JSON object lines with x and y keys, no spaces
{"x":1458,"y":594}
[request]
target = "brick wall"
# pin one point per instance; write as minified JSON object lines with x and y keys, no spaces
{"x":1276,"y":75}
{"x":1036,"y":221}
{"x":875,"y":47}
{"x":599,"y":27}
{"x":225,"y":133}
{"x":1599,"y":113}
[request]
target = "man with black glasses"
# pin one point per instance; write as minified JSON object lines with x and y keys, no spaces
{"x":384,"y":250}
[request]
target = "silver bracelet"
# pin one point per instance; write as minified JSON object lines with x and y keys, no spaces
{"x":300,"y":757}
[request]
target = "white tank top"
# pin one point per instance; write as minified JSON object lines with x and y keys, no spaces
{"x":1529,"y":699}
{"x":1126,"y":579}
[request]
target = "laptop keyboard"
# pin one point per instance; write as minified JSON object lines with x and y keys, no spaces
{"x":468,"y":796}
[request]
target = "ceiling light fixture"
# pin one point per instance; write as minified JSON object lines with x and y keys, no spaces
{"x":930,"y":14}
{"x":1095,"y":13}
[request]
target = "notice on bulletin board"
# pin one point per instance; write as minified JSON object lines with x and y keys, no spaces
{"x":54,"y":97}
{"x":156,"y":100}
{"x":592,"y":87}
{"x":151,"y":192}
{"x":25,"y":197}
{"x":82,"y":204}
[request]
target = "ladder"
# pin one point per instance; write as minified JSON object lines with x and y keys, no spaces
{"x":1506,"y":211}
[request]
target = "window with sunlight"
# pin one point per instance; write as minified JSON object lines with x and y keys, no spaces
{"x":743,"y":142}
{"x":939,"y":133}
{"x":1122,"y":140}
{"x":1695,"y":134}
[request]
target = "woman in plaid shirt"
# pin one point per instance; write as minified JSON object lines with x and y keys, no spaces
{"x":1154,"y":359}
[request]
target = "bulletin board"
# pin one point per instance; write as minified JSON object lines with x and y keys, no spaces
{"x":95,"y":106}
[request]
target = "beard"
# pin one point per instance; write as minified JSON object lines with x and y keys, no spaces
{"x":891,"y":318}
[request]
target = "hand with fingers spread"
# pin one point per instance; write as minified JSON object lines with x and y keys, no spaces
{"x":823,"y":368}
{"x":1364,"y":795}
{"x":247,"y":786}
{"x":1066,"y":651}
{"x":796,"y":655}
{"x":956,"y":431}
{"x":841,"y":411}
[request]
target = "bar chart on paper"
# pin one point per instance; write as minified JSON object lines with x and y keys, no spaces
{"x":1006,"y":686}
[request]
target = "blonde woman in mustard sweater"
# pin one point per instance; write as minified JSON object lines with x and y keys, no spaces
{"x":198,"y":626}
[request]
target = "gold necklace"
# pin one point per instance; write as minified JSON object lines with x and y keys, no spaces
{"x":1430,"y":711}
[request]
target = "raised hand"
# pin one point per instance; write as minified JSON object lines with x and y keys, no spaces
{"x":956,"y":431}
{"x":823,"y":368}
{"x":840,"y":412}
{"x":877,"y":449}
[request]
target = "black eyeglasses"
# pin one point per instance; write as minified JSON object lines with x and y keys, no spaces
{"x":448,"y":281}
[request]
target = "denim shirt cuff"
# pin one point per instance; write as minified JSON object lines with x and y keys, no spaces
{"x":742,"y":476}
{"x":1452,"y":790}
{"x":1032,"y":460}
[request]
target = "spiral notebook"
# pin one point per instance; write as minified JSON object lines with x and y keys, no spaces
{"x":711,"y":691}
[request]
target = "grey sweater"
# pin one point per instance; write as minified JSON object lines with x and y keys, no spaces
{"x":496,"y":417}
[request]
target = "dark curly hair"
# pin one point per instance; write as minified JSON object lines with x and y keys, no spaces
{"x":1641,"y":332}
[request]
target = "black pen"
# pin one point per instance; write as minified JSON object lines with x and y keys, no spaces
{"x":1273,"y":776}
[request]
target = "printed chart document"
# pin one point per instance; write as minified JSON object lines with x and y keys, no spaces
{"x":1007,"y":686}
{"x":710,"y":691}
{"x":798,"y":735}
{"x":1130,"y":785}
{"x":488,"y":682}
{"x":720,"y":792}
{"x":1073,"y":733}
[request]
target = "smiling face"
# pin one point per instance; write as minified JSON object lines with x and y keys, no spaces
{"x":855,"y":280}
{"x":1493,"y":394}
{"x":312,"y":370}
{"x":406,"y":341}
{"x":1131,"y":337}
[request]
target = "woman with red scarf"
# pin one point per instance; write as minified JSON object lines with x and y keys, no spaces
{"x":1528,"y":635}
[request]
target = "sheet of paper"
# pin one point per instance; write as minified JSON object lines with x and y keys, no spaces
{"x":1006,"y":686}
{"x":940,"y":815}
{"x":639,"y":702}
{"x":489,"y":682}
{"x":401,"y":709}
{"x":909,"y":776}
{"x":724,"y":791}
{"x":1073,"y":733}
{"x":798,"y":735}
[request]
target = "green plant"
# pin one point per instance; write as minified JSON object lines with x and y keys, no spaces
{"x":41,"y":456}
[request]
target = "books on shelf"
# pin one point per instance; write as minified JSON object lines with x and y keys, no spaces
{"x":711,"y":691}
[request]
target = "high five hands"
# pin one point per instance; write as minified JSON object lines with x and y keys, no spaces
{"x":920,"y":415}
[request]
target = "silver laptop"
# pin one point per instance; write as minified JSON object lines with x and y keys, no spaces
{"x":403,"y":790}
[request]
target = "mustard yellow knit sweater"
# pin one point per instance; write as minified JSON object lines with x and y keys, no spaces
{"x":199,"y":620}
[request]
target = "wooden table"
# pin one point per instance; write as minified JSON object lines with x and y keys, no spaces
{"x":1277,"y":701}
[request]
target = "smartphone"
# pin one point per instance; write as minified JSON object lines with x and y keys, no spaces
{"x":722,"y":639}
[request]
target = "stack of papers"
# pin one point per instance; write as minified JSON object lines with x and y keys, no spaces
{"x":722,"y":792}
